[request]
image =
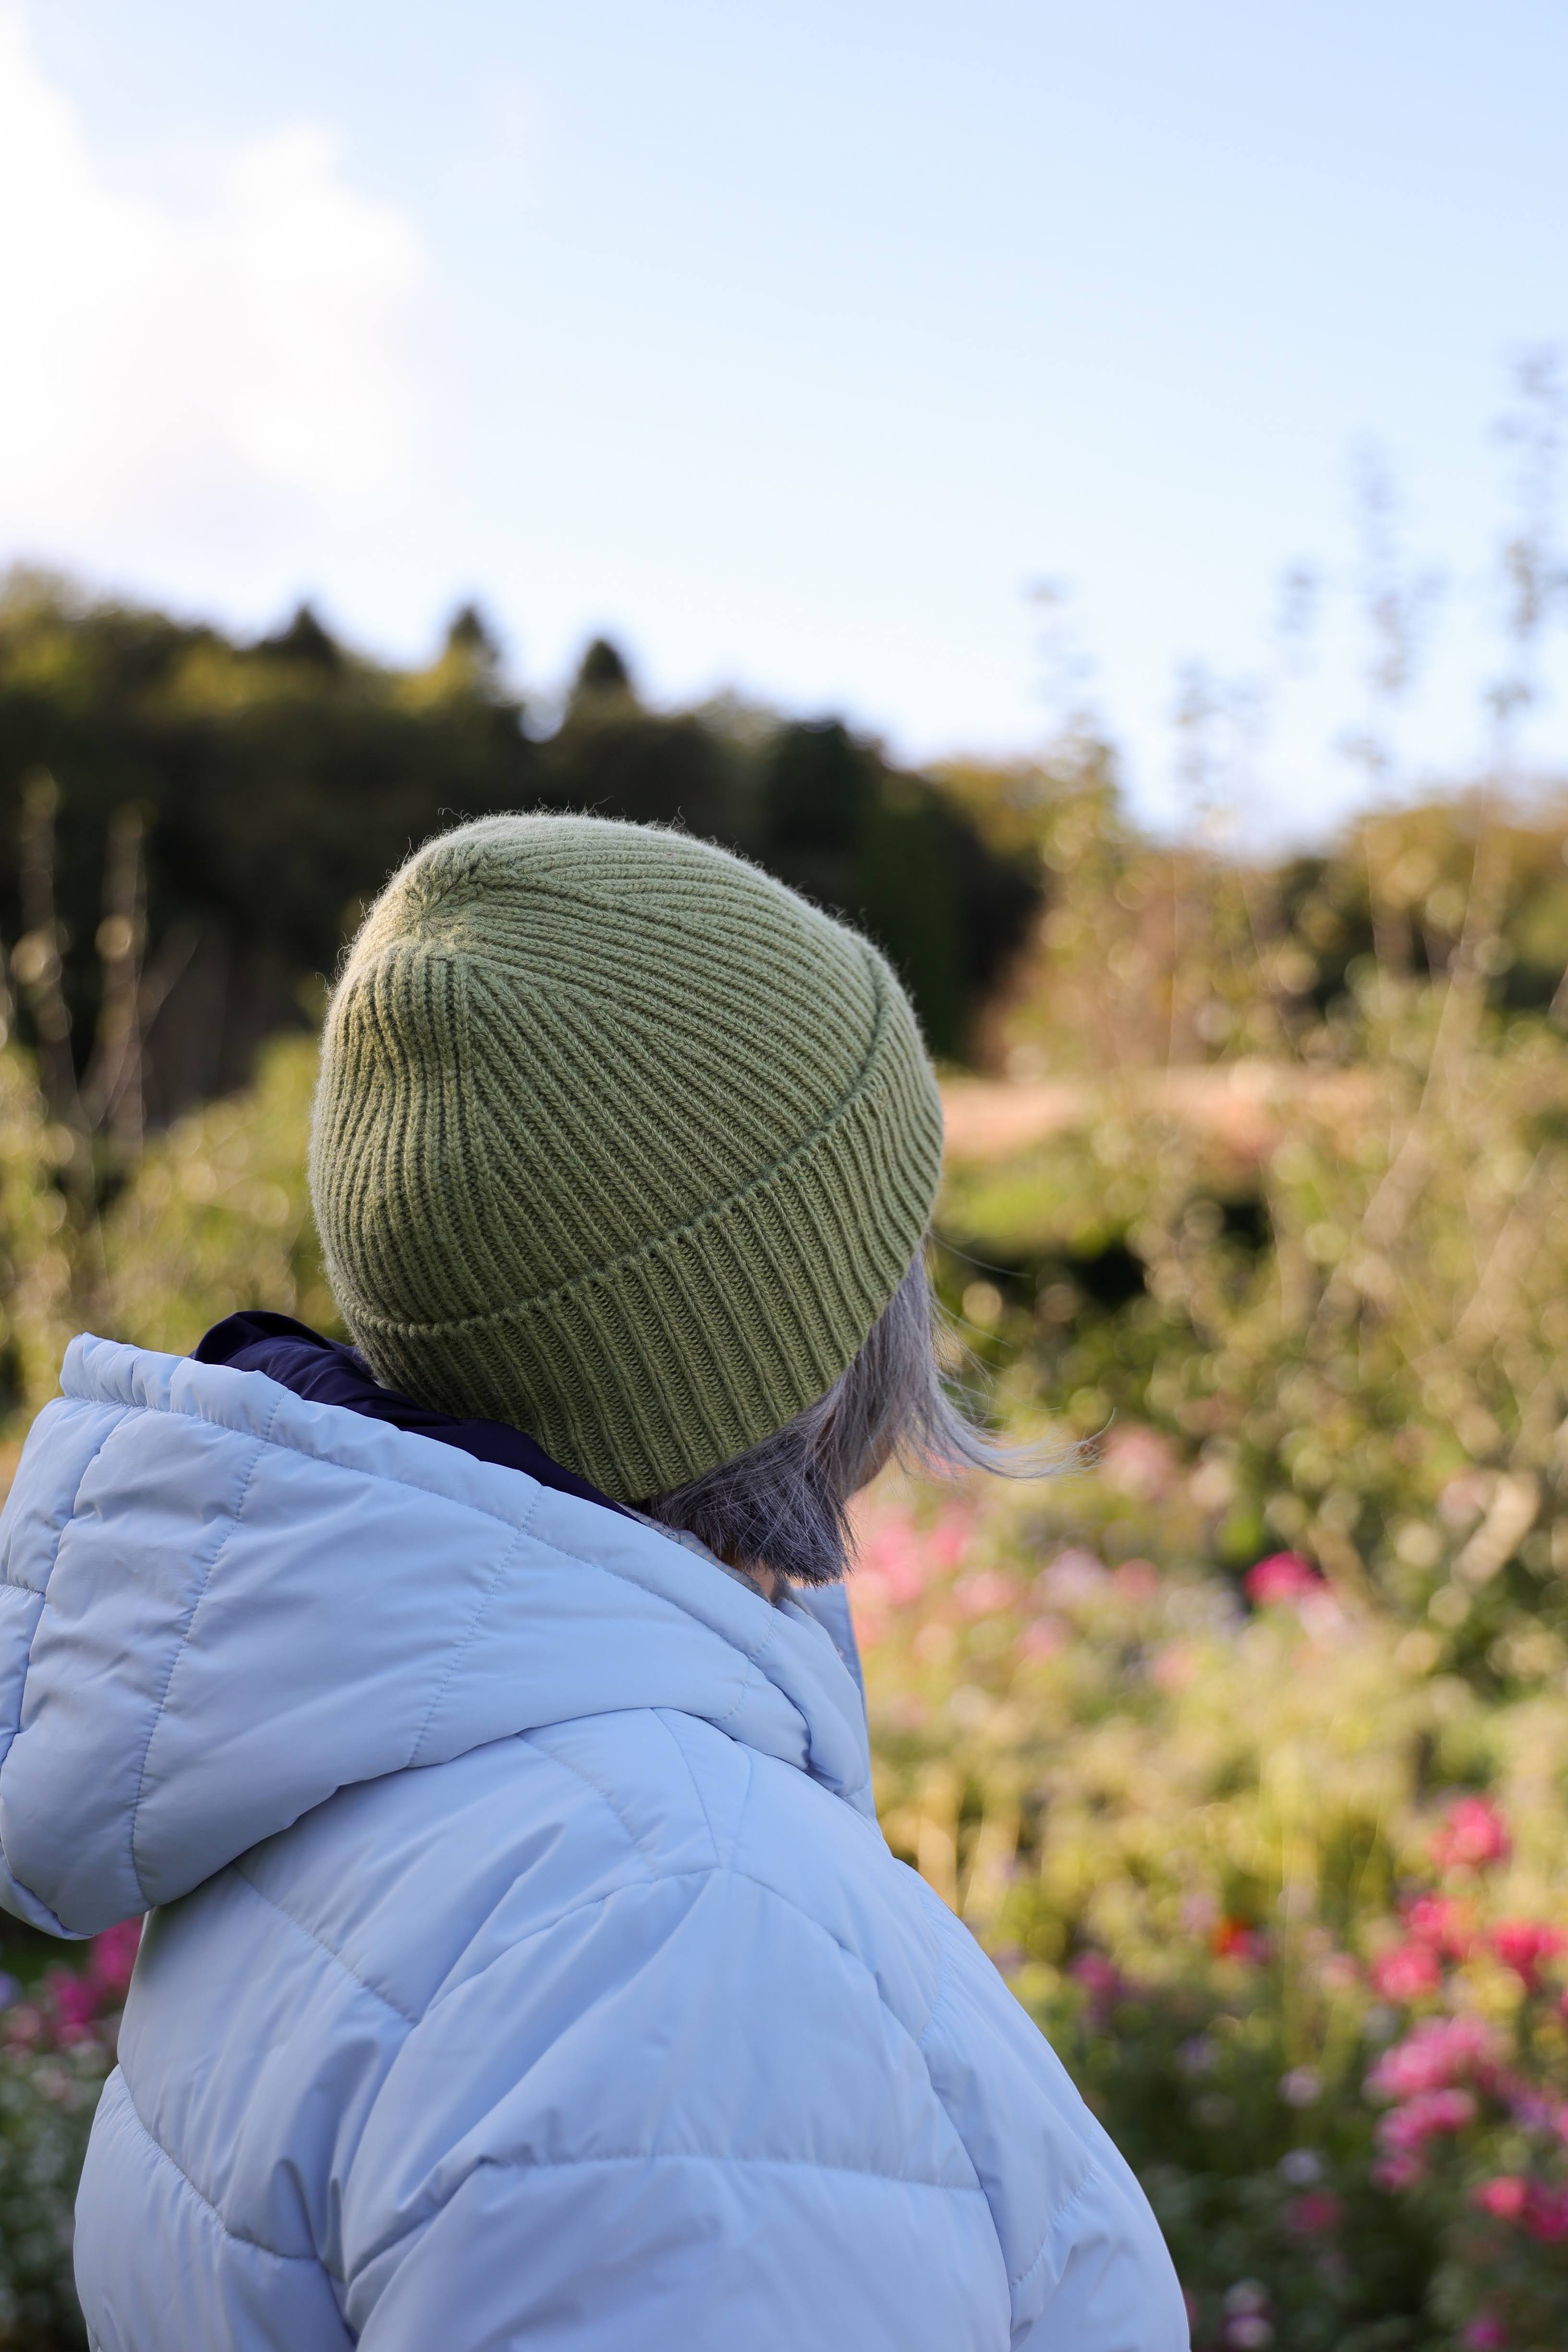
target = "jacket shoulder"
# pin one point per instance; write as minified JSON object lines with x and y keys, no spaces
{"x":455,"y":1861}
{"x":626,"y":1948}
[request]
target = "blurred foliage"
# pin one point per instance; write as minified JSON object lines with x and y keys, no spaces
{"x":57,"y":2035}
{"x":206,"y":820}
{"x":217,"y":1216}
{"x":1287,"y":1902}
{"x":1321,"y":1241}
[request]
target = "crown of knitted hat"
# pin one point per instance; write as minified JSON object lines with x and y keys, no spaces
{"x":617,"y":1139}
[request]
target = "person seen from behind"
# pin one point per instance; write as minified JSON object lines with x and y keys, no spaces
{"x":475,"y":1712}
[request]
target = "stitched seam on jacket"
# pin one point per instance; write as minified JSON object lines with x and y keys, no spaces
{"x":941,"y":1987}
{"x":119,"y":1412}
{"x":381,"y":2247}
{"x":311,"y":1453}
{"x":400,"y":1478}
{"x":321,"y":1946}
{"x":459,"y":1503}
{"x":230,"y":1522}
{"x":11,"y":1730}
{"x":674,"y":1878}
{"x":178,"y":2169}
{"x":530,"y":1739}
{"x":447,"y":1991}
{"x":573,"y":1911}
{"x":41,"y":1592}
{"x":753,"y":1659}
{"x":1015,"y":2286}
{"x":726,"y":2157}
{"x":475,"y":1622}
{"x":742,"y":1817}
{"x":597,"y":1902}
{"x":521,"y":1526}
{"x":735,"y":1869}
{"x":662,"y":1714}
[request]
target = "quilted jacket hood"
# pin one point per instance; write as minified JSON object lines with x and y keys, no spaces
{"x":221,"y":1603}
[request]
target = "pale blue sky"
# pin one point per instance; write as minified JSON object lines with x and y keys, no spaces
{"x":790,"y":343}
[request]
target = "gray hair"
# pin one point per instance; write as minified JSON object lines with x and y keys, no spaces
{"x":785,"y":1504}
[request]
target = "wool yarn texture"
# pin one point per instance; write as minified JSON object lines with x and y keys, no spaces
{"x":618,"y":1139}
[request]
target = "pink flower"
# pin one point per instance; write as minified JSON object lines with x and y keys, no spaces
{"x":1439,"y":2050}
{"x":1407,"y":1972}
{"x":1199,"y":1911}
{"x":1485,"y":2334}
{"x":1395,"y":2172}
{"x":1103,"y":1982}
{"x":1137,"y":1581}
{"x":75,"y":2001}
{"x":891,"y":1565}
{"x":1522,"y":1944}
{"x":1473,"y":1835}
{"x":1546,"y":2213}
{"x":1406,"y":2130}
{"x":1441,"y":1923}
{"x":1282,"y":1577}
{"x":113,"y":1955}
{"x":1311,"y":2215}
{"x":950,"y":1535}
{"x":1098,"y":1975}
{"x":1044,"y":1638}
{"x":1250,"y":2332}
{"x":24,"y":2026}
{"x":983,"y":1595}
{"x":1074,"y":1575}
{"x":1137,"y":1460}
{"x":1503,"y":2197}
{"x":1094,"y":1969}
{"x":1175,"y":1667}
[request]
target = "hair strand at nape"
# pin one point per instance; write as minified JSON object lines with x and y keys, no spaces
{"x":784,"y":1504}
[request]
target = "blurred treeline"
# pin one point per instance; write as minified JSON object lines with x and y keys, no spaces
{"x":190,"y":827}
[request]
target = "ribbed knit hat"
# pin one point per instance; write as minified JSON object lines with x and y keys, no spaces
{"x":616,"y":1140}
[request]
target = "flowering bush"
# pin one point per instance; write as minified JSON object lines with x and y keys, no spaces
{"x":1286,"y":1901}
{"x":56,"y":2045}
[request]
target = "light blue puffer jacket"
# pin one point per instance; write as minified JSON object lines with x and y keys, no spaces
{"x":527,"y":1966}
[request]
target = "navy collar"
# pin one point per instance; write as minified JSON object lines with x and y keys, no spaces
{"x":326,"y":1372}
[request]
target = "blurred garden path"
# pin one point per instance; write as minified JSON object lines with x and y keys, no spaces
{"x":1243,"y":1106}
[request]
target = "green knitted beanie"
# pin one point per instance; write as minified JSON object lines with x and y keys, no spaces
{"x":616,"y":1140}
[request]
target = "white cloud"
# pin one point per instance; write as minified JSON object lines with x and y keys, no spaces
{"x":196,"y":371}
